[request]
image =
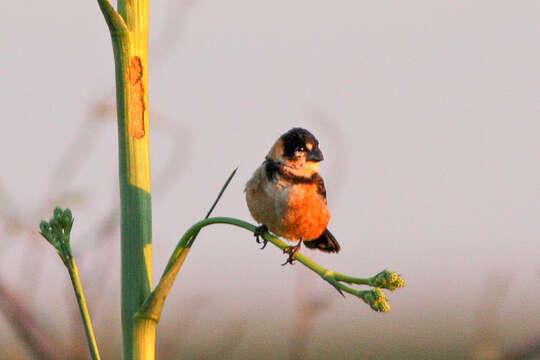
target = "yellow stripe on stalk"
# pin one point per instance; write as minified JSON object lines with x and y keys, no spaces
{"x":139,"y":175}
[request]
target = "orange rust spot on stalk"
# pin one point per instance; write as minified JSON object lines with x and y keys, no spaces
{"x":136,"y":98}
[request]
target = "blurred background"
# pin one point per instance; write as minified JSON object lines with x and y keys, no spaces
{"x":427,"y":114}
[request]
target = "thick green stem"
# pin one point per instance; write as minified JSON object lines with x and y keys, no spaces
{"x":88,"y":328}
{"x":129,"y":33}
{"x":144,"y":339}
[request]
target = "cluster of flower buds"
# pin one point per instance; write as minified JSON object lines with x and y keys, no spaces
{"x":57,"y":232}
{"x":388,"y":280}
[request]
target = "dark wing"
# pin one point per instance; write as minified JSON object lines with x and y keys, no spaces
{"x":326,"y":242}
{"x":318,"y":180}
{"x":271,"y":168}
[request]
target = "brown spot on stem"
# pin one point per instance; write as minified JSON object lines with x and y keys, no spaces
{"x":136,"y":98}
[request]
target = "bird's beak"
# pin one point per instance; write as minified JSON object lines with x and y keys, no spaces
{"x":315,"y":155}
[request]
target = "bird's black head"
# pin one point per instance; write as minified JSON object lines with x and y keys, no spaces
{"x":299,"y":142}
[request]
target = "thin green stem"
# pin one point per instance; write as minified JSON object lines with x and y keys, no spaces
{"x":83,"y":308}
{"x":353,"y":280}
{"x":224,"y":187}
{"x":153,"y":305}
{"x":58,"y":232}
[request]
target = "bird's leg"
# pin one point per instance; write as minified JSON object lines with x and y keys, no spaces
{"x":259,"y":231}
{"x":291,"y":250}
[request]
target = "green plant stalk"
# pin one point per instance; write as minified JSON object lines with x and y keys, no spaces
{"x":83,"y":308}
{"x":147,"y":325}
{"x":144,"y":342}
{"x":153,"y":306}
{"x":129,"y":33}
{"x":180,"y":261}
{"x":57,"y":231}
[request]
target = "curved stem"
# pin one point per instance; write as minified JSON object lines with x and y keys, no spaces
{"x":152,"y":307}
{"x":115,"y":22}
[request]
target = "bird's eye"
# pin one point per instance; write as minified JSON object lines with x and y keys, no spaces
{"x":299,"y":148}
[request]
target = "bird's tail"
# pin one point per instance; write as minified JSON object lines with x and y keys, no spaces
{"x":326,"y":242}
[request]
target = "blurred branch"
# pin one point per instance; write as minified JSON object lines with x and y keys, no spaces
{"x":485,"y":341}
{"x":26,"y":326}
{"x":485,"y":344}
{"x":308,"y":310}
{"x":175,"y":24}
{"x":531,"y":351}
{"x":335,"y":140}
{"x":8,"y":212}
{"x":177,"y":159}
{"x":72,"y":159}
{"x":234,"y":334}
{"x":169,"y":347}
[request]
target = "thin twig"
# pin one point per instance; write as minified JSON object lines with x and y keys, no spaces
{"x":375,"y":298}
{"x":215,"y":203}
{"x":26,"y":325}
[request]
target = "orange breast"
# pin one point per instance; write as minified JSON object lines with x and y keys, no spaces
{"x":295,"y":212}
{"x":307,"y":214}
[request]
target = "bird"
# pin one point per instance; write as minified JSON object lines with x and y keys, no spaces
{"x":287,"y":196}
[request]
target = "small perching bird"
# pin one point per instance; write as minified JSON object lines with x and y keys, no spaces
{"x":286,"y":194}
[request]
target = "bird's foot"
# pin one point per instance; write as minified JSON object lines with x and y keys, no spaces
{"x":291,"y":250}
{"x":259,"y":232}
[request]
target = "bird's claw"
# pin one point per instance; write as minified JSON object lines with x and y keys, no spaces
{"x":291,"y":250}
{"x":290,"y":260}
{"x":259,"y":232}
